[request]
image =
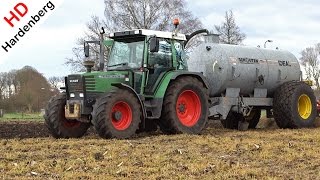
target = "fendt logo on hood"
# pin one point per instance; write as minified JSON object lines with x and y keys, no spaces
{"x":74,"y":80}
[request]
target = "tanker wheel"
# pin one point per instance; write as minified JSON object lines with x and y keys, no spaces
{"x":185,"y":107}
{"x":58,"y":125}
{"x":254,"y":118}
{"x":294,"y":105}
{"x":117,"y":114}
{"x":232,"y":120}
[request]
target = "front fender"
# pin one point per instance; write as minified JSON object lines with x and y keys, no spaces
{"x":125,"y":86}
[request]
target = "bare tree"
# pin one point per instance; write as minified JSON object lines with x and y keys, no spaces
{"x":310,"y":59}
{"x":10,"y":80}
{"x":135,"y":14}
{"x":54,"y":81}
{"x":229,"y":32}
{"x":3,"y":84}
{"x":92,"y":34}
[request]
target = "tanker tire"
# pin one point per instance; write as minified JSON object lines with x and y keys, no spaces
{"x":190,"y":87}
{"x":285,"y":105}
{"x":254,"y":120}
{"x":232,"y":120}
{"x":58,"y":125}
{"x":105,"y":108}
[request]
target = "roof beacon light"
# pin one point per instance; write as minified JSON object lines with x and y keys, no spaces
{"x":176,"y":22}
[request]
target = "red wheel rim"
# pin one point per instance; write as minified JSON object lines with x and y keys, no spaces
{"x":188,"y":108}
{"x":121,"y":115}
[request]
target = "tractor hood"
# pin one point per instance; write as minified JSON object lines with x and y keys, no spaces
{"x":96,"y":81}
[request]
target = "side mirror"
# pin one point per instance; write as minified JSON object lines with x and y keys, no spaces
{"x":154,"y":44}
{"x":86,"y":49}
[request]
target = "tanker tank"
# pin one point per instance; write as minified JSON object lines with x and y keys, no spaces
{"x":247,"y":68}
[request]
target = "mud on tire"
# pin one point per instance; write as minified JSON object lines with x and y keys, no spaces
{"x":294,"y":105}
{"x":56,"y":122}
{"x":185,"y":107}
{"x":117,"y":114}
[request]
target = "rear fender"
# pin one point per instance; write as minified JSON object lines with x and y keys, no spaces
{"x":172,"y":75}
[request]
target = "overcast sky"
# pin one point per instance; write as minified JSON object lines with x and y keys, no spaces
{"x":292,"y":25}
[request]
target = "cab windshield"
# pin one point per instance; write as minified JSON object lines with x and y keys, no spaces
{"x":126,"y":54}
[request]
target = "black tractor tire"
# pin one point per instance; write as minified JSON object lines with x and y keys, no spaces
{"x":117,"y":114}
{"x":254,"y":118}
{"x":294,"y":105}
{"x":185,"y":107}
{"x":232,"y":120}
{"x":58,"y":125}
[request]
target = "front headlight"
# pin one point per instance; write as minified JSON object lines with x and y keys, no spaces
{"x":81,"y":95}
{"x":72,"y":95}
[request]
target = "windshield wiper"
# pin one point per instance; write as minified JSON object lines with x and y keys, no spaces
{"x":123,"y":64}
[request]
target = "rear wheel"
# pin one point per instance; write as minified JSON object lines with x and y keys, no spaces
{"x":294,"y":105}
{"x":58,"y":125}
{"x":185,"y":107}
{"x":117,"y":114}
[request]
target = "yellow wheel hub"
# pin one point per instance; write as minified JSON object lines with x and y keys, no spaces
{"x":304,"y":106}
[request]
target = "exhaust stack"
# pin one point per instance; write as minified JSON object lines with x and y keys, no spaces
{"x":101,"y":56}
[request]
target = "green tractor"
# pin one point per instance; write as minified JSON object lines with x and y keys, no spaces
{"x":145,"y":84}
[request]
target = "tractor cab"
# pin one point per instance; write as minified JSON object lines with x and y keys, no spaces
{"x":148,"y":55}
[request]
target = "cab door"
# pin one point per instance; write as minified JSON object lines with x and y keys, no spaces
{"x":158,"y":64}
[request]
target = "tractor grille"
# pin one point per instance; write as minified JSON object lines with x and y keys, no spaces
{"x":75,"y":83}
{"x":90,"y":83}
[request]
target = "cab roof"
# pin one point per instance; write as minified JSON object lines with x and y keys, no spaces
{"x":145,"y":32}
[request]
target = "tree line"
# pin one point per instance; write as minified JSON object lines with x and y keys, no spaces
{"x":26,"y":90}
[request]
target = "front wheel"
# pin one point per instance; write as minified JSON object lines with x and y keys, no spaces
{"x":58,"y":125}
{"x":117,"y":114}
{"x":294,"y":105}
{"x":185,"y":107}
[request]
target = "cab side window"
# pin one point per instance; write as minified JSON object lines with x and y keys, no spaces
{"x":162,"y":58}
